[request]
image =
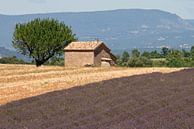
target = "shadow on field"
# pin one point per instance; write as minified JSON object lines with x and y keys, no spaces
{"x":143,"y":101}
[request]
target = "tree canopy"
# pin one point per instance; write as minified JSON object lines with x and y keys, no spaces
{"x":135,"y":53}
{"x":192,"y":53}
{"x":165,"y":51}
{"x":42,"y":39}
{"x":165,"y":58}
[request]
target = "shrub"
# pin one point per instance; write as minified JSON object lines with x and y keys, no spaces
{"x":11,"y":60}
{"x":139,"y":62}
{"x":175,"y":59}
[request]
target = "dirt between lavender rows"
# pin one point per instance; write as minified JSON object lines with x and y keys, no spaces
{"x":148,"y":101}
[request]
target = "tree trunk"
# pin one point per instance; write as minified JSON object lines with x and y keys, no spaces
{"x":38,"y":63}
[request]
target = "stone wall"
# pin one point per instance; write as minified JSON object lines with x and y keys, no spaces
{"x":100,"y":53}
{"x":78,"y":58}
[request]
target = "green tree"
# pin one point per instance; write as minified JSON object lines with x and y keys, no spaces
{"x":125,"y":56}
{"x":146,"y":54}
{"x":146,"y":62}
{"x":121,"y":60}
{"x":135,"y":53}
{"x":155,"y":54}
{"x":42,"y":39}
{"x":192,"y":53}
{"x":175,"y":59}
{"x":134,"y":62}
{"x":139,"y":62}
{"x":165,"y":51}
{"x":186,"y":53}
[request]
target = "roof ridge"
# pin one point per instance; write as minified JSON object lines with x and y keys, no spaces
{"x":83,"y":45}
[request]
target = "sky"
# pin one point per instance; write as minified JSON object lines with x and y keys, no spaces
{"x":183,"y":8}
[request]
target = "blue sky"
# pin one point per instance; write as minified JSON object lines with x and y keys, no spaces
{"x":183,"y":8}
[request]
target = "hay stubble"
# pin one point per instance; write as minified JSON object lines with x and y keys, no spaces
{"x":22,"y":81}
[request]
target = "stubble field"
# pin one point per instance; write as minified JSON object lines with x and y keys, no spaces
{"x":21,"y":81}
{"x":90,"y":98}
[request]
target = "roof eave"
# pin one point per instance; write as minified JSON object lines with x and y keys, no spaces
{"x":102,"y":43}
{"x":79,"y":49}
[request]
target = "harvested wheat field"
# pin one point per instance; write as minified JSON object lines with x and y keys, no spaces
{"x":21,"y":81}
{"x":96,"y":98}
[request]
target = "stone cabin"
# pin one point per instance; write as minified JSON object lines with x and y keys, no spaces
{"x":94,"y":53}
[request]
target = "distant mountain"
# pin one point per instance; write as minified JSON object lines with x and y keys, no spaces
{"x":120,"y":29}
{"x":190,"y":21}
{"x":4,"y":52}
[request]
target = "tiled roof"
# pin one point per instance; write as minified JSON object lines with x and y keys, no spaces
{"x":92,"y":45}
